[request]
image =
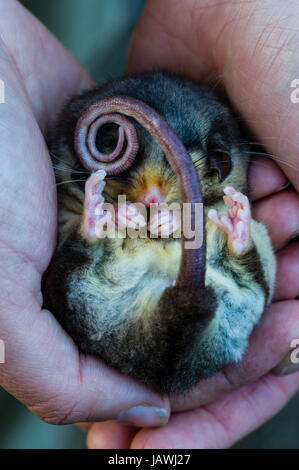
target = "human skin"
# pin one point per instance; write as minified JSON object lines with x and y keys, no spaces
{"x":43,"y":367}
{"x":251,"y":48}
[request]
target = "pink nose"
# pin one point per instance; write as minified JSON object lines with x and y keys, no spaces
{"x":152,"y":195}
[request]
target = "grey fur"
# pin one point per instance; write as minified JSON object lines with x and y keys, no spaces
{"x":108,"y":296}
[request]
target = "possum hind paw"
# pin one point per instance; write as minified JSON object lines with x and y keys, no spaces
{"x":127,"y":215}
{"x":164,"y":222}
{"x":95,"y":218}
{"x":237,"y":224}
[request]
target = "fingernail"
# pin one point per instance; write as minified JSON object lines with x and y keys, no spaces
{"x":144,"y":416}
{"x":286,"y":367}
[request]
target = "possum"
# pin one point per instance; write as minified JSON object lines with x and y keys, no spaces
{"x":157,"y":306}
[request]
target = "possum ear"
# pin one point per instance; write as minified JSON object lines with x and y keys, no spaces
{"x":219,"y":159}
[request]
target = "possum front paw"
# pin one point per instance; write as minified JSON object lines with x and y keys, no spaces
{"x":95,"y":218}
{"x":237,"y":223}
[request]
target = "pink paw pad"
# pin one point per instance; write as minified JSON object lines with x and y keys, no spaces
{"x":237,"y":223}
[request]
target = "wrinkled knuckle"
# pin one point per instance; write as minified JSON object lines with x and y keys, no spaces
{"x":53,"y":412}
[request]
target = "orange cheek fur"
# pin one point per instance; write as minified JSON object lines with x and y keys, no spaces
{"x":141,"y":183}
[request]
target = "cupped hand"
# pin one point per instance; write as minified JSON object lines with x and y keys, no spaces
{"x":250,"y":47}
{"x":43,"y":368}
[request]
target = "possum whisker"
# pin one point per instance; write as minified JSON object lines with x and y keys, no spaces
{"x":248,"y":142}
{"x":83,"y":172}
{"x":60,"y":160}
{"x":73,"y":171}
{"x":70,"y":181}
{"x":273,"y":157}
{"x":68,"y":166}
{"x":253,"y":143}
{"x":256,"y":162}
{"x":61,"y":168}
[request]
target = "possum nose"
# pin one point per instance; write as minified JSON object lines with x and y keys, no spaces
{"x":152,"y":195}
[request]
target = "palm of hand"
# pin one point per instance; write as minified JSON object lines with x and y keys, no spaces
{"x":44,"y":368}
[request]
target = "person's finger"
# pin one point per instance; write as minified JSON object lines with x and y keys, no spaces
{"x":250,"y":46}
{"x":265,"y":178}
{"x":287,"y":284}
{"x":168,"y":37}
{"x":110,"y":435}
{"x":269,"y":343}
{"x":221,"y":424}
{"x":49,"y":72}
{"x":280,"y":214}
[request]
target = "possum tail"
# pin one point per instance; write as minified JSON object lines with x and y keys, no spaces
{"x":160,"y":351}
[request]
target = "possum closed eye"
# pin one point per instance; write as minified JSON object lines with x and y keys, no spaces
{"x":148,"y":306}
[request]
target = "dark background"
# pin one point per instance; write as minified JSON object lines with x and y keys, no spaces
{"x":98,"y":33}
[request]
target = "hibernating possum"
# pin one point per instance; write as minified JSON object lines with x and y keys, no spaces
{"x":148,"y":305}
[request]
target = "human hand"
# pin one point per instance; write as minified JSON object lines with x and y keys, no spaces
{"x":251,"y":48}
{"x":43,"y":367}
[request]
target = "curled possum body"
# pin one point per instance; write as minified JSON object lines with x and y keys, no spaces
{"x":149,"y":306}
